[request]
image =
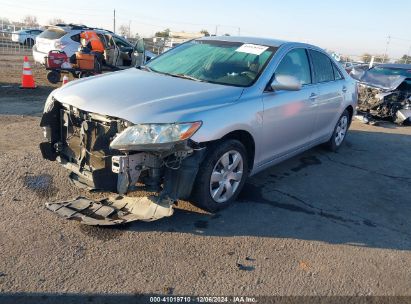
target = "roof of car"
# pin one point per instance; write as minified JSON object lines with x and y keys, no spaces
{"x":395,"y":66}
{"x":251,"y":40}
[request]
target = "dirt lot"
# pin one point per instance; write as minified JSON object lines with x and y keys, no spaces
{"x":319,"y":224}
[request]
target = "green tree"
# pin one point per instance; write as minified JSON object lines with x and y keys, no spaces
{"x":205,"y":32}
{"x":404,"y":59}
{"x":165,"y":33}
{"x":366,"y":58}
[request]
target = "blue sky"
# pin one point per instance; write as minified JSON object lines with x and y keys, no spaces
{"x":347,"y":26}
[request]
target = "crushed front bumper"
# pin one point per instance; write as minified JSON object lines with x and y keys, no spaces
{"x":80,"y":142}
{"x":113,"y":211}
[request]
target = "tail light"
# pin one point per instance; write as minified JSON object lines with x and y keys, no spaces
{"x":59,"y":45}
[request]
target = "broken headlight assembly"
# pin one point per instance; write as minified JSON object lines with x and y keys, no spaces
{"x":48,"y":106}
{"x":158,"y":136}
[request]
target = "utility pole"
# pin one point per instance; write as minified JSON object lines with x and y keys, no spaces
{"x":216,"y":30}
{"x":114,"y":22}
{"x":386,"y":49}
{"x":239,"y":31}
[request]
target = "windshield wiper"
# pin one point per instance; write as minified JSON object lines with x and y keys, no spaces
{"x":184,"y":76}
{"x":144,"y":67}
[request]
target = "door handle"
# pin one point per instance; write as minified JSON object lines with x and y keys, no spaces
{"x":344,"y":89}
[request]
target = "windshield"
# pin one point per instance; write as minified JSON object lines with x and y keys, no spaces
{"x":227,"y":63}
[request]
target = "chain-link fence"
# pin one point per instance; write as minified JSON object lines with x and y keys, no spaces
{"x":10,"y":47}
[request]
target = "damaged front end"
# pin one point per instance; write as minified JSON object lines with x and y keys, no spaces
{"x":113,"y":155}
{"x":391,"y":101}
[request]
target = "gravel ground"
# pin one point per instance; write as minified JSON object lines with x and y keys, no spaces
{"x":319,"y":224}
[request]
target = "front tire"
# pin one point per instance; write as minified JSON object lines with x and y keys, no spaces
{"x":221,"y":176}
{"x":340,"y":132}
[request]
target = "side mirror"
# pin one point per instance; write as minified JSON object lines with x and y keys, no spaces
{"x":286,"y":83}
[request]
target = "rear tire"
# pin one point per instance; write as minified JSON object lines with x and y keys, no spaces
{"x":340,"y":132}
{"x":29,"y":42}
{"x":221,"y":176}
{"x":53,"y":77}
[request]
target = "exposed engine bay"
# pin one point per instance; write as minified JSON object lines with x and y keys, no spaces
{"x":386,"y":97}
{"x":80,"y":141}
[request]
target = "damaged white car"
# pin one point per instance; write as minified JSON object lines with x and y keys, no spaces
{"x":193,"y":124}
{"x":385,"y":92}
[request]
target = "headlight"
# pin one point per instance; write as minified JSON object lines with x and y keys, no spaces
{"x":142,"y":136}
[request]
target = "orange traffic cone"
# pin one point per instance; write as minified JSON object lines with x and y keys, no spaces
{"x":27,"y":80}
{"x":65,"y":80}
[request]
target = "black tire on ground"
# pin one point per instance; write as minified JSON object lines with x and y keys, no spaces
{"x":75,"y":74}
{"x":29,"y":42}
{"x":335,"y":141}
{"x":201,"y":194}
{"x":97,"y":66}
{"x":53,"y":77}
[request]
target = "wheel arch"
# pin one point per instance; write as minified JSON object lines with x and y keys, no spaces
{"x":247,"y":140}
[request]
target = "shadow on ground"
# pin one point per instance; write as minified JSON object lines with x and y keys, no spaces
{"x":359,"y":196}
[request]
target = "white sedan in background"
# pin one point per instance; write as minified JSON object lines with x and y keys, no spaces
{"x":26,"y":37}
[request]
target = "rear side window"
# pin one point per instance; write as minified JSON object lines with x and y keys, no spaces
{"x":337,"y":73}
{"x":76,"y":38}
{"x":296,"y":64}
{"x":52,"y":34}
{"x":323,"y":67}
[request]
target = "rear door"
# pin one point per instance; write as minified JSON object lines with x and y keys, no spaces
{"x":331,"y":87}
{"x":289,"y":116}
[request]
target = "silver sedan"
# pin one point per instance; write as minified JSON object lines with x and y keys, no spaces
{"x":196,"y":121}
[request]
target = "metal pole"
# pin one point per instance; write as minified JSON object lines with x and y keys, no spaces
{"x":239,"y":31}
{"x":386,"y":49}
{"x":216,"y":30}
{"x":114,"y":22}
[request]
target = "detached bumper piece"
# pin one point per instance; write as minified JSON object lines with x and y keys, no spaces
{"x":113,"y":211}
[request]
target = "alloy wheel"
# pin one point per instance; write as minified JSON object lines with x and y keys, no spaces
{"x":341,"y":130}
{"x":226,"y":176}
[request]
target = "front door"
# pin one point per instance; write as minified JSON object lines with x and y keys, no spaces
{"x":289,"y":116}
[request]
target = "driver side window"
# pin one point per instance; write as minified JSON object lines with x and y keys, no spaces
{"x":296,"y":64}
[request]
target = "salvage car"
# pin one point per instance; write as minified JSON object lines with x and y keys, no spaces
{"x":26,"y":36}
{"x":193,"y":123}
{"x":385,"y":92}
{"x":66,"y":38}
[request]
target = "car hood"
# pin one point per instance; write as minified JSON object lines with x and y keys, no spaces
{"x":384,"y":82}
{"x":145,"y":97}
